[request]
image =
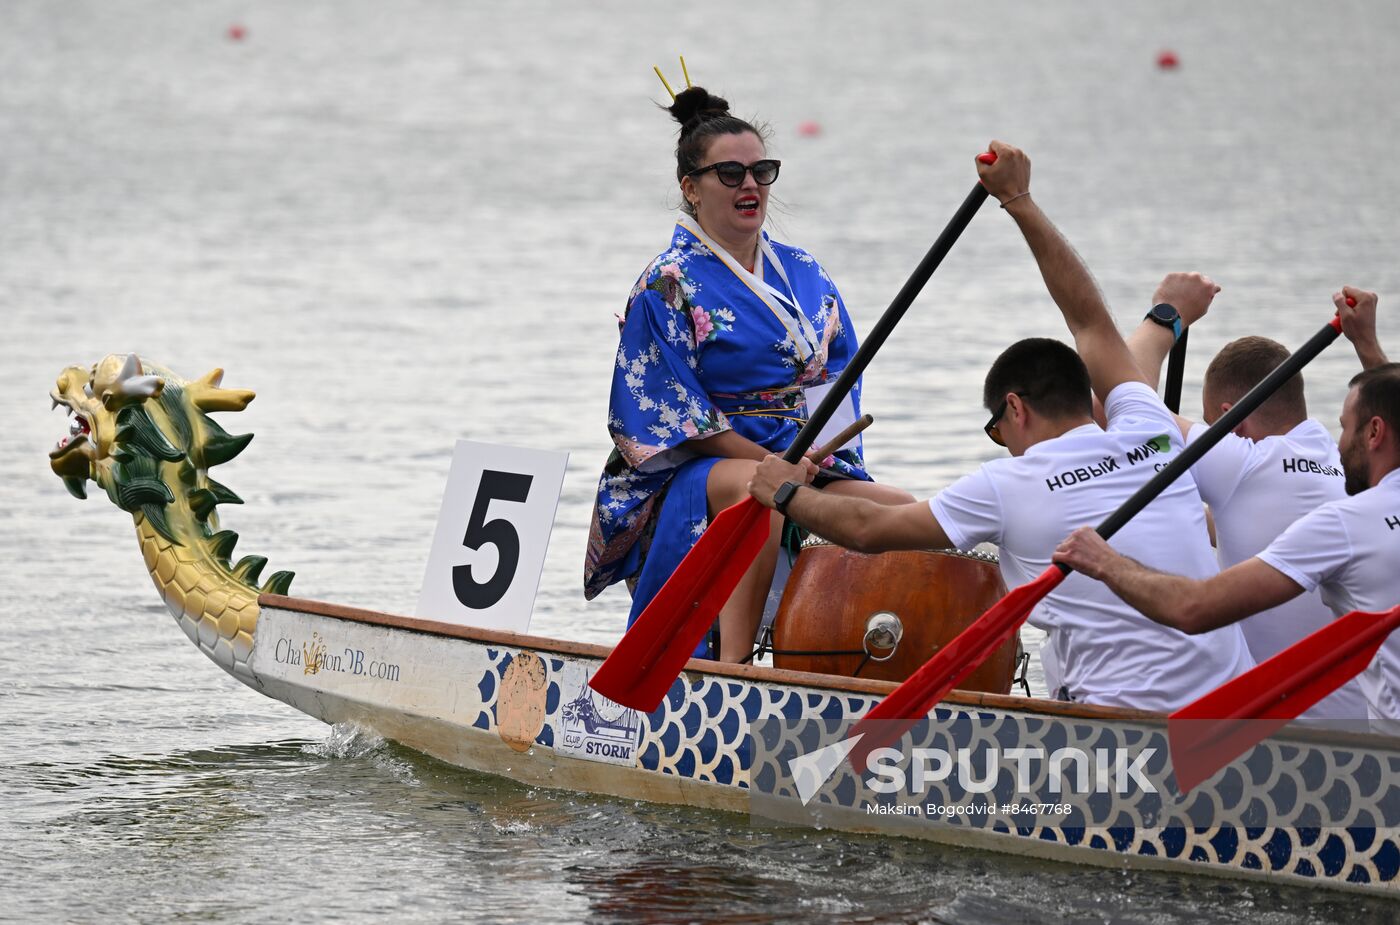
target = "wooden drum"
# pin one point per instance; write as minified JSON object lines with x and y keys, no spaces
{"x":833,"y":594}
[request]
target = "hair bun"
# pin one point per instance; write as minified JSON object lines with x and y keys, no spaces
{"x":694,"y":105}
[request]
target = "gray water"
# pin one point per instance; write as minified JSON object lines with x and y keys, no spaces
{"x":404,"y":224}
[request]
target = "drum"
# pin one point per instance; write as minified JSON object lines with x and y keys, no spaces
{"x":882,"y":616}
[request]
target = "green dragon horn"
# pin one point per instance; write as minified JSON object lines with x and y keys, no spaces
{"x":221,"y":447}
{"x":279,"y":583}
{"x":204,"y":500}
{"x":249,"y":568}
{"x":221,"y":545}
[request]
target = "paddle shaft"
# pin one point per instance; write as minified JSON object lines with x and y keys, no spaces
{"x":1217,"y":431}
{"x":878,"y":334}
{"x":1223,"y":425}
{"x":840,"y":440}
{"x":1226,"y":423}
{"x":1176,"y":369}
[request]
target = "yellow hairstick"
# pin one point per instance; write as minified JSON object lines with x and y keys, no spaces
{"x":664,"y":83}
{"x":685,"y":72}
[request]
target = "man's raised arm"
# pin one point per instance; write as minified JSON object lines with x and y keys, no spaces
{"x":1068,"y":280}
{"x":1359,"y":324}
{"x":1190,"y":294}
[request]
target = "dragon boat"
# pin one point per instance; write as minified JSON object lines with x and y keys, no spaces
{"x":1317,"y":808}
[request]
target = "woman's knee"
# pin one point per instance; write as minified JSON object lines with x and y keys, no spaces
{"x":728,"y":482}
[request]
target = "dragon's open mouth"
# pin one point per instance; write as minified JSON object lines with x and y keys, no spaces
{"x":79,"y":430}
{"x":72,"y":459}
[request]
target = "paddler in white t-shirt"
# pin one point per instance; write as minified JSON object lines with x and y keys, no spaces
{"x":1063,"y":470}
{"x":1276,"y":466}
{"x":1349,"y":549}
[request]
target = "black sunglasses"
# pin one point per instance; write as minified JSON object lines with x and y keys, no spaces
{"x":731,"y":173}
{"x":993,"y":427}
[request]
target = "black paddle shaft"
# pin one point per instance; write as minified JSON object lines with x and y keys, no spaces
{"x":1217,"y":431}
{"x":847,"y":380}
{"x":1176,"y":369}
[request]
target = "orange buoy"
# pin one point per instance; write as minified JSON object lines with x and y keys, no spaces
{"x":809,"y":129}
{"x":1167,"y":60}
{"x":237,"y":33}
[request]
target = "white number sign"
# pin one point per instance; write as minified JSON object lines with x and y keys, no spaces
{"x":492,"y":535}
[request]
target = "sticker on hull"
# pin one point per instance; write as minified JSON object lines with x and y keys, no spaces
{"x":592,"y":727}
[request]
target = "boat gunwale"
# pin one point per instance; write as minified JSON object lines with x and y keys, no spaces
{"x":759,"y":673}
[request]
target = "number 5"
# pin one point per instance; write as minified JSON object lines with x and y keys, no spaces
{"x":495,"y":485}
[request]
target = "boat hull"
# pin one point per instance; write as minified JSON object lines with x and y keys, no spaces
{"x":519,"y":706}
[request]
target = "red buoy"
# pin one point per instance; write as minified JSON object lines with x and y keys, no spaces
{"x":809,"y":129}
{"x":1167,"y":60}
{"x":237,"y":33}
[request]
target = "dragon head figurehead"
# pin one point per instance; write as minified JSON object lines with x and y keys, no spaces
{"x":146,"y":438}
{"x":94,"y":398}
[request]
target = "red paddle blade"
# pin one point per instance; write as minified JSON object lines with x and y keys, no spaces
{"x":654,"y":650}
{"x":921,"y":691}
{"x":1208,"y":734}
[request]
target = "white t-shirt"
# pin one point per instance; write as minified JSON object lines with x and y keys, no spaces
{"x":1107,"y":652}
{"x":1350,"y":550}
{"x":1256,"y":489}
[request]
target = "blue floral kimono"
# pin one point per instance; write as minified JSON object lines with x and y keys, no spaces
{"x":706,"y":346}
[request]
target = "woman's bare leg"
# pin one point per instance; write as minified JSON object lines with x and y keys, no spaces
{"x":728,"y":484}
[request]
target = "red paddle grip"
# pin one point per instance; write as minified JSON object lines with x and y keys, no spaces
{"x":987,"y":157}
{"x":1336,"y":321}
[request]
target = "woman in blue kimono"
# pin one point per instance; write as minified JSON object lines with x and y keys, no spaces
{"x":725,"y":334}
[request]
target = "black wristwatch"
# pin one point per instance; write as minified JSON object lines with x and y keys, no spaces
{"x":783,"y":496}
{"x":1168,"y":317}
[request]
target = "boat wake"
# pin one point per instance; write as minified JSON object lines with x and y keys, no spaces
{"x":346,"y":740}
